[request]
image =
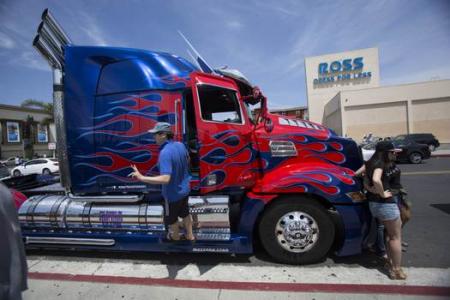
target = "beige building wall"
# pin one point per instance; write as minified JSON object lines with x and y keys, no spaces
{"x":319,"y":93}
{"x":388,"y":111}
{"x":333,"y":114}
{"x":385,"y":119}
{"x":432,"y":115}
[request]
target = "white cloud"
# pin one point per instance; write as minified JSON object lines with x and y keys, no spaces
{"x":437,"y":73}
{"x":92,"y":29}
{"x":6,"y":42}
{"x":234,"y":24}
{"x":33,"y":61}
{"x":289,"y":9}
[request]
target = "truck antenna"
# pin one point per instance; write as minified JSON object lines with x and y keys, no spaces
{"x":203,"y":65}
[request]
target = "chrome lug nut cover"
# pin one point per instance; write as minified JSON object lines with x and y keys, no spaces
{"x":297,"y":231}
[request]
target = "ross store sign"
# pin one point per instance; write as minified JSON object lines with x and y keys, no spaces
{"x":341,"y":70}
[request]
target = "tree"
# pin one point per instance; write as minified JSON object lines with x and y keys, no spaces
{"x":45,"y":106}
{"x":28,"y":134}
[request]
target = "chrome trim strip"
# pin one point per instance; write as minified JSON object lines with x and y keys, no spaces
{"x":69,"y":241}
{"x":106,"y":199}
{"x":177,"y":104}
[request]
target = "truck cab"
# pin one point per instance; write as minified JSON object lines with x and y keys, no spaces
{"x":286,"y":182}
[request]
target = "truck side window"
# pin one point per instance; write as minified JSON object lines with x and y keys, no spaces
{"x":122,"y":76}
{"x":219,"y":104}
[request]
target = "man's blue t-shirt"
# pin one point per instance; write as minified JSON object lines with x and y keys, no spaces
{"x":173,"y":161}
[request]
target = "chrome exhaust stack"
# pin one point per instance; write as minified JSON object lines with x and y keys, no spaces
{"x":50,"y":42}
{"x":53,"y":45}
{"x":46,"y":53}
{"x":55,"y":28}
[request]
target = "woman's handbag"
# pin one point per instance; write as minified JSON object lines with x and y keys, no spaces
{"x":405,"y":207}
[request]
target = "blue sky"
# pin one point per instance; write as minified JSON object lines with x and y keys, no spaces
{"x":266,"y":40}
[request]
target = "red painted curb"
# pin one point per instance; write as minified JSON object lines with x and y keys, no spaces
{"x":256,"y":286}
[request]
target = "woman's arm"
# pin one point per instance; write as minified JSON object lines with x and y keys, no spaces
{"x":378,"y":184}
{"x":361,"y":170}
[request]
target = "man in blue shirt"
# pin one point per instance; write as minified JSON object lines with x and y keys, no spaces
{"x":174,"y":177}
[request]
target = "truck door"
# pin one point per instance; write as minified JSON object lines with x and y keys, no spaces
{"x":224,"y":132}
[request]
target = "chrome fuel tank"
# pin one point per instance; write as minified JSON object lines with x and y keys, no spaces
{"x":55,"y":211}
{"x":209,"y":213}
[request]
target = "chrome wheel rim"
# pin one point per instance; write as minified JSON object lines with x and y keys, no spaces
{"x":416,"y":158}
{"x":297,"y":232}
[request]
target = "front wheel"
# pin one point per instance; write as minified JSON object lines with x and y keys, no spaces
{"x":432,"y":147}
{"x":17,"y":173}
{"x":296,"y":231}
{"x":415,"y":158}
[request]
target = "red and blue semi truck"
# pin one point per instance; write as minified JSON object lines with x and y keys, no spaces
{"x":280,"y":181}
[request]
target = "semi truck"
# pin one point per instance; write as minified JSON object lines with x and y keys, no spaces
{"x":257,"y":178}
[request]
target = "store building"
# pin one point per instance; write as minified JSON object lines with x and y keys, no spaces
{"x":344,"y":94}
{"x":20,"y":127}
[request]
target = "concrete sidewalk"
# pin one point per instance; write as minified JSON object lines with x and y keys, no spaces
{"x":61,"y":279}
{"x":40,"y":289}
{"x":442,"y":151}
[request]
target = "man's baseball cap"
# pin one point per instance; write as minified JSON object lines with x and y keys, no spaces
{"x":161,"y":127}
{"x":386,"y":146}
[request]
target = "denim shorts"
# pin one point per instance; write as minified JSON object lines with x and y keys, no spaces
{"x":384,"y":211}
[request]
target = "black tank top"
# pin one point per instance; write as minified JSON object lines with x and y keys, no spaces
{"x":391,"y":181}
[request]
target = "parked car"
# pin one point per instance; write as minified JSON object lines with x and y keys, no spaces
{"x":411,"y":151}
{"x":37,"y":166}
{"x":425,"y":138}
{"x":368,"y":150}
{"x":369,"y":139}
{"x":4,"y":171}
{"x":9,"y":162}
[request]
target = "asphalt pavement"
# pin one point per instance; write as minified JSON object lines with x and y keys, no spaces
{"x":105,"y":275}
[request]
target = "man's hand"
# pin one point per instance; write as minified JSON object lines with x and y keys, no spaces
{"x":160,"y":179}
{"x":135,"y":174}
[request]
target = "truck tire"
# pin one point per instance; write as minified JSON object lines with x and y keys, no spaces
{"x":296,"y":231}
{"x":415,"y":158}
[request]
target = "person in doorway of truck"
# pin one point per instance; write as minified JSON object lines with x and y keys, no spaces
{"x":174,"y":177}
{"x":382,"y":178}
